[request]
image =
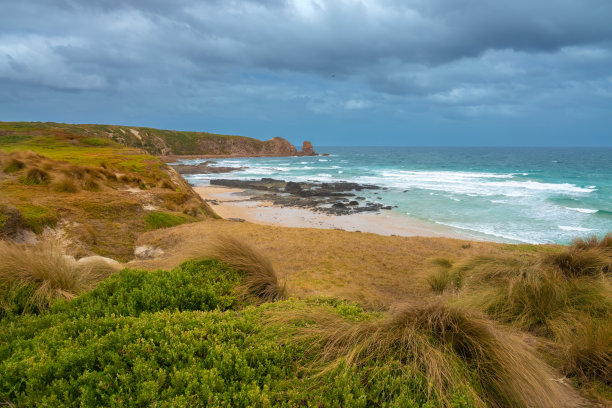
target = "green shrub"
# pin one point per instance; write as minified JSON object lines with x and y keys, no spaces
{"x":159,"y":219}
{"x":201,"y":285}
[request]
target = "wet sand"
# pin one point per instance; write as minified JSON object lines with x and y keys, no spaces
{"x":236,"y":203}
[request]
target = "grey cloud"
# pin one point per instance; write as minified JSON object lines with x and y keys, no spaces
{"x":473,"y":56}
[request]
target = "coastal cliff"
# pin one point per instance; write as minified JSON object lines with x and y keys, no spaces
{"x":176,"y":143}
{"x":159,"y":142}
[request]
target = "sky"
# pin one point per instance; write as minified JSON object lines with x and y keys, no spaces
{"x":335,"y":72}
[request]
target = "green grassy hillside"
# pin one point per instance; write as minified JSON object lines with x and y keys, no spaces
{"x":153,"y":141}
{"x":98,"y":193}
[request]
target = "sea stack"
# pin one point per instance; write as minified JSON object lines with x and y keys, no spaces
{"x":307,"y":149}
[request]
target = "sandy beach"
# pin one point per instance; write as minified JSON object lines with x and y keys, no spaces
{"x":236,"y":203}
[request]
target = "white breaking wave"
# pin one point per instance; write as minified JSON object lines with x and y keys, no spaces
{"x":569,"y":228}
{"x":471,"y":183}
{"x":491,"y":232}
{"x":582,"y":210}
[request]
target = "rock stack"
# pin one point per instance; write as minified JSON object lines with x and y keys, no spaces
{"x":307,"y":149}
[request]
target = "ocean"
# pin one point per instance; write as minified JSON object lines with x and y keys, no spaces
{"x":528,"y":195}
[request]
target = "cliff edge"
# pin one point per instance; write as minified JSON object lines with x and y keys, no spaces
{"x":176,"y":143}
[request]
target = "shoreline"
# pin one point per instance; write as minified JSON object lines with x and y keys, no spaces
{"x":235,"y":204}
{"x":175,"y":157}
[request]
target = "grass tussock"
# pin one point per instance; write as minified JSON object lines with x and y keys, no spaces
{"x":32,"y":276}
{"x":441,"y":278}
{"x":534,"y":300}
{"x":585,"y":257}
{"x":532,"y":292}
{"x":604,"y":243}
{"x":584,"y":348}
{"x":35,"y":176}
{"x":442,"y":344}
{"x":91,"y":184}
{"x":13,"y":165}
{"x":65,"y":185}
{"x":260,"y":280}
{"x":564,"y":297}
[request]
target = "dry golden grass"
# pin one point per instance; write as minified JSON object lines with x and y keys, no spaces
{"x":36,"y":175}
{"x":439,"y":343}
{"x":604,"y":243}
{"x":53,"y":274}
{"x":64,"y":185}
{"x":565,"y":298}
{"x":441,"y":277}
{"x":260,"y":280}
{"x":581,"y":261}
{"x":583,"y":347}
{"x":371,"y":269}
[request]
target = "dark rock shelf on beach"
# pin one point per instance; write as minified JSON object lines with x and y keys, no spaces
{"x":331,"y":198}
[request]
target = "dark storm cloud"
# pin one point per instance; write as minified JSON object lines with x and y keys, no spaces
{"x":447,"y":57}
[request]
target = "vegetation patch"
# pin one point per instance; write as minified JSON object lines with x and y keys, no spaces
{"x":96,"y":141}
{"x":11,"y":221}
{"x":185,"y":337}
{"x":65,"y":185}
{"x":159,"y":219}
{"x":260,"y":280}
{"x":35,"y":176}
{"x":37,"y":217}
{"x":182,"y":338}
{"x":13,"y":166}
{"x":33,"y":276}
{"x":564,"y":297}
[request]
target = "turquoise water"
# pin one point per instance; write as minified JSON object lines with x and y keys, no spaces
{"x":534,"y":195}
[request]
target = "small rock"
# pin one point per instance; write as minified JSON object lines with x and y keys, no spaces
{"x":236,"y":219}
{"x":147,"y":252}
{"x":96,"y":258}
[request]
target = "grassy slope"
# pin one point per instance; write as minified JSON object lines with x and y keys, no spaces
{"x":85,"y":190}
{"x":153,"y":141}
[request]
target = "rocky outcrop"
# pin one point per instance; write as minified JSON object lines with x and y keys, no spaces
{"x":278,"y":146}
{"x":329,"y":198}
{"x":307,"y":149}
